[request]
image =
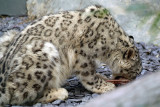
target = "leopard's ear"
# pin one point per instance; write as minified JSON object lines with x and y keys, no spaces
{"x":128,"y":54}
{"x":131,"y":37}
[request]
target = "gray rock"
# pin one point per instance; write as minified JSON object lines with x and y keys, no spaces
{"x":80,"y":95}
{"x":95,"y":95}
{"x":48,"y":105}
{"x":144,"y":72}
{"x":74,"y":100}
{"x":38,"y":105}
{"x":57,"y":102}
{"x":86,"y":98}
{"x":62,"y":105}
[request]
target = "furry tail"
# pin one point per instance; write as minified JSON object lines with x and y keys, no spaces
{"x":5,"y":40}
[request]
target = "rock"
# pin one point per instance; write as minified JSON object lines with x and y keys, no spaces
{"x":143,"y":92}
{"x":62,"y":105}
{"x":38,"y":8}
{"x":47,"y":105}
{"x":57,"y":102}
{"x":13,"y":8}
{"x":95,"y":95}
{"x":80,"y":95}
{"x":144,"y":72}
{"x":86,"y":98}
{"x":74,"y":100}
{"x":37,"y":105}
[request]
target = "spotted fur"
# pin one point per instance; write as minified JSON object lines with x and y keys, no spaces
{"x":37,"y":61}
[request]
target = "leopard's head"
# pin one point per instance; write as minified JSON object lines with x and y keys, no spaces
{"x":129,"y":64}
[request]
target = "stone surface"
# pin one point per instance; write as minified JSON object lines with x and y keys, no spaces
{"x":13,"y":7}
{"x":143,"y":92}
{"x":150,"y":55}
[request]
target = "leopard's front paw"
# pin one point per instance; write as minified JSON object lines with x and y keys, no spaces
{"x":107,"y":87}
{"x":62,"y":94}
{"x":54,"y":94}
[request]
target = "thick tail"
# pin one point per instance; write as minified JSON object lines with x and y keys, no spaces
{"x":5,"y":40}
{"x":4,"y":95}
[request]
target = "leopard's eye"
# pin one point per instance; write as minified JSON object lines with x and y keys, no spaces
{"x":131,"y":37}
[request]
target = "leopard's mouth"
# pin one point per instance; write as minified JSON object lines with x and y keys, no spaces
{"x":119,"y":80}
{"x":120,"y":77}
{"x":117,"y":77}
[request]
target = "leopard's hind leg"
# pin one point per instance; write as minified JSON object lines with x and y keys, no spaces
{"x":32,"y":73}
